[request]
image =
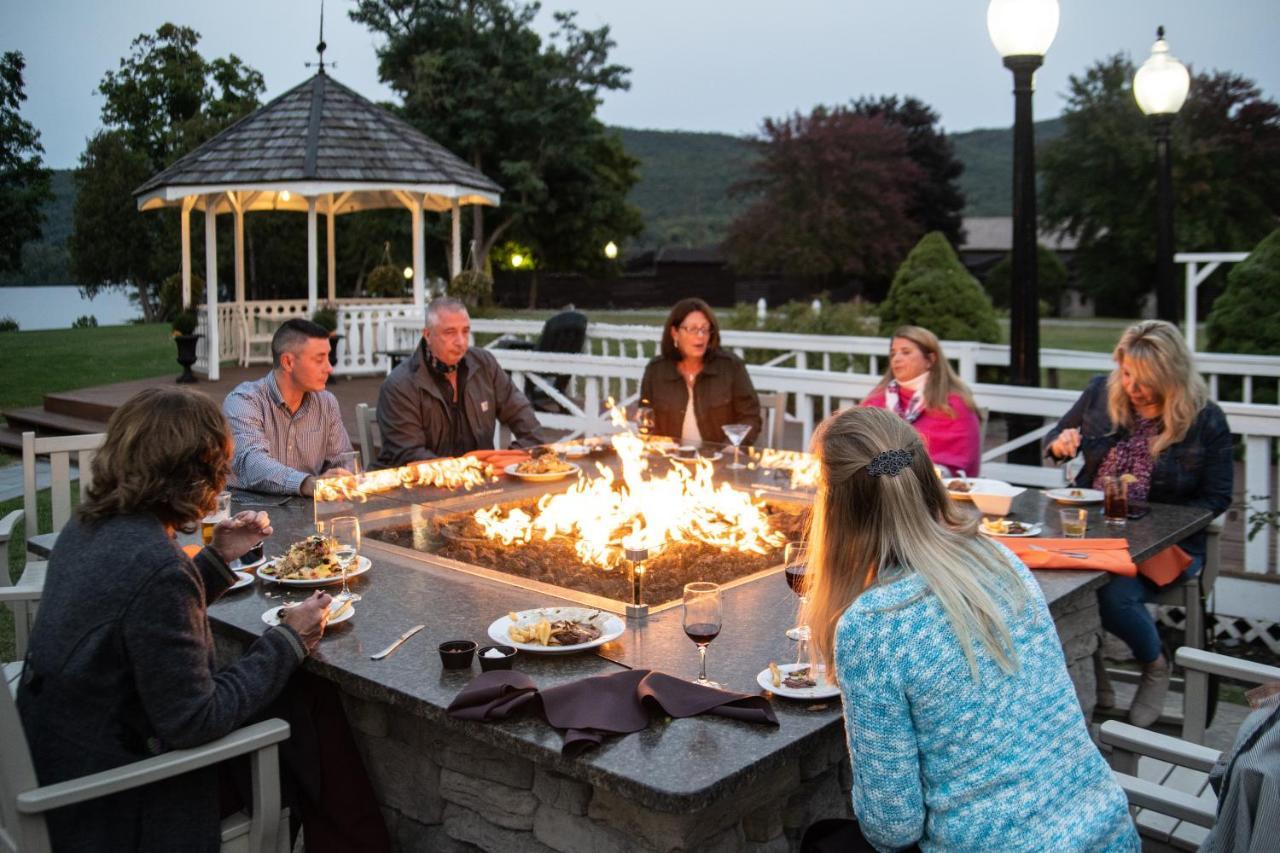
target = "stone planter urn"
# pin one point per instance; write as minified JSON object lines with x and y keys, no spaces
{"x":186,"y":356}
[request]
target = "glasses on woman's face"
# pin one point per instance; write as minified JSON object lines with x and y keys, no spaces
{"x":696,"y":331}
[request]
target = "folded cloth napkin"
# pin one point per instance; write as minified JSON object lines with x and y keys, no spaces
{"x":1109,"y":555}
{"x":589,"y":709}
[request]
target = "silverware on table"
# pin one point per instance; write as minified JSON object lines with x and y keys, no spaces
{"x":398,"y":642}
{"x":1076,"y":554}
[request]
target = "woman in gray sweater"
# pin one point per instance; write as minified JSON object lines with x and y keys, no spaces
{"x":121,"y":660}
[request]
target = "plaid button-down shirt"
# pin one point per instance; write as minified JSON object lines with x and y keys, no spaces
{"x":276,"y":450}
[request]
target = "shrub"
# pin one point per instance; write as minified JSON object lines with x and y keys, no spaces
{"x":385,"y":280}
{"x":1051,"y":281}
{"x":85,"y":321}
{"x":838,"y":318}
{"x":933,"y":289}
{"x":472,"y":287}
{"x":1245,"y":319}
{"x":326,"y":316}
{"x":184,"y":323}
{"x":171,"y":294}
{"x":8,"y":324}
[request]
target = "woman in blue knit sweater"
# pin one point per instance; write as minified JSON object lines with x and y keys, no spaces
{"x":964,"y":729}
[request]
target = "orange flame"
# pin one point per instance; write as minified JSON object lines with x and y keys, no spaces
{"x":803,"y":466}
{"x":461,"y":473}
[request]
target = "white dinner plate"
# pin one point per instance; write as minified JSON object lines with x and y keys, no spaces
{"x":240,"y":565}
{"x":1074,"y":496}
{"x":574,"y":451}
{"x":272,"y":616}
{"x":1032,"y":530}
{"x":362,"y":565}
{"x":611,"y":627}
{"x":821,"y":690}
{"x":547,"y":477}
{"x":978,"y":483}
{"x":243,"y":579}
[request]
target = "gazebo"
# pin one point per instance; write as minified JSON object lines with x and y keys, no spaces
{"x":318,"y":148}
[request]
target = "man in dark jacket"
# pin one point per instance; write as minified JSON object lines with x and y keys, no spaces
{"x":448,"y":398}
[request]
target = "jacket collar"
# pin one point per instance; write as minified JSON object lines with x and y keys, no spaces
{"x":422,"y":374}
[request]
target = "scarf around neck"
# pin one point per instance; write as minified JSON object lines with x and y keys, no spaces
{"x":893,"y":400}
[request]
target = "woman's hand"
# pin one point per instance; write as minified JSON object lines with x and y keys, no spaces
{"x":1067,"y":444}
{"x":232,"y":537}
{"x":308,"y":619}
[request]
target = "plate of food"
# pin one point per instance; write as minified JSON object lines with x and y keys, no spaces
{"x":339,"y":611}
{"x":1074,"y":496}
{"x":1004,"y":527}
{"x":960,"y":487}
{"x":542,"y":469}
{"x":556,"y":630}
{"x":243,"y":579}
{"x":797,"y":681}
{"x":573,"y":451}
{"x":310,"y":562}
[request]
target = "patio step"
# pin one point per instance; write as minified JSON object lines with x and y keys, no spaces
{"x":43,"y":422}
{"x":10,"y":439}
{"x":74,"y":404}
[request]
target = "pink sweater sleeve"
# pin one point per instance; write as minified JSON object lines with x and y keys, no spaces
{"x":953,"y":441}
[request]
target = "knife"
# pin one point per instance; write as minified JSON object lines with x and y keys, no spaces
{"x":398,"y":642}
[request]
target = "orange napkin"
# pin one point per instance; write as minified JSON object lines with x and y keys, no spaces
{"x":191,"y":550}
{"x":1109,"y":555}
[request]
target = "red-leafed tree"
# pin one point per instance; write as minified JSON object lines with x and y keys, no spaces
{"x":833,"y":193}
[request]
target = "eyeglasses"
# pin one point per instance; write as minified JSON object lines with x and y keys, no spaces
{"x":696,"y":331}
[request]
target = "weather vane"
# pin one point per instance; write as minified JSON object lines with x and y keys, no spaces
{"x":321,"y":47}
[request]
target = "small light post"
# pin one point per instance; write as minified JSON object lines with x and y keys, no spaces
{"x":1160,"y":87}
{"x":1022,"y":31}
{"x":611,"y":250}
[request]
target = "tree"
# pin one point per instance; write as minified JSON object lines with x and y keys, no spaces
{"x":833,"y":191}
{"x":477,"y":78}
{"x":938,"y":202}
{"x":164,"y":100}
{"x":1051,"y":280}
{"x":1246,"y":317}
{"x":24,"y":182}
{"x":1099,"y":177}
{"x":933,"y":289}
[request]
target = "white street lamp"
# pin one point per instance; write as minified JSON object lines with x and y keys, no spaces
{"x":1160,"y":87}
{"x":611,"y":250}
{"x":408,"y":272}
{"x":1022,"y":31}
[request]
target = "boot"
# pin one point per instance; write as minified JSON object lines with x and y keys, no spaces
{"x":1148,"y":702}
{"x":1106,"y":694}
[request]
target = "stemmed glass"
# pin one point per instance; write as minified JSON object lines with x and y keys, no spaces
{"x":736,"y":433}
{"x":645,"y":421}
{"x":345,"y":532}
{"x":794,"y":560}
{"x":702,"y":619}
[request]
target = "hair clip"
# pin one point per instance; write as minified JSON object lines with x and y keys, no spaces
{"x":890,"y":463}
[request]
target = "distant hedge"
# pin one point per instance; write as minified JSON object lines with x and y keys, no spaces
{"x":1051,"y":281}
{"x":1246,"y":318}
{"x":933,"y":289}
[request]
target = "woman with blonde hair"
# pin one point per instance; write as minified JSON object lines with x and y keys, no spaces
{"x":964,"y":728}
{"x":920,"y":387}
{"x":1150,"y":418}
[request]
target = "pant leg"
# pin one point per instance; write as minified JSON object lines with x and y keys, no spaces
{"x":1123,"y":605}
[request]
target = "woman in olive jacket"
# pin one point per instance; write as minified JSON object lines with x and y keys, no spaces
{"x":694,"y":387}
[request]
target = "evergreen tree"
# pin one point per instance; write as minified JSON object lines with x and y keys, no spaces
{"x":933,"y":289}
{"x":24,"y":182}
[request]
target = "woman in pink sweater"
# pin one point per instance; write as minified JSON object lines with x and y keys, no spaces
{"x":922,"y":389}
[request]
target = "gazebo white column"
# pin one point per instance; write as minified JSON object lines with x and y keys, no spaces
{"x":188,"y":202}
{"x":237,"y":206}
{"x":331,"y":253}
{"x":455,"y":258}
{"x":419,"y":260}
{"x":211,"y":284}
{"x":311,"y":255}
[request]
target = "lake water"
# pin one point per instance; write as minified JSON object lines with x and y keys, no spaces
{"x":58,"y":306}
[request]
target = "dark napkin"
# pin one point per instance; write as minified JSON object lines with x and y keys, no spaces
{"x":591,"y":708}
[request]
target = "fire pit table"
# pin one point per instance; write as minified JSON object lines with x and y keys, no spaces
{"x":705,"y":783}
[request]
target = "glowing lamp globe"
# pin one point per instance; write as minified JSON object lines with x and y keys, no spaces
{"x":611,"y":250}
{"x":408,"y":272}
{"x":1161,"y":84}
{"x":1022,"y":27}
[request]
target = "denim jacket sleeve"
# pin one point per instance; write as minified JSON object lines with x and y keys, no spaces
{"x":1201,"y":467}
{"x":1085,"y":405}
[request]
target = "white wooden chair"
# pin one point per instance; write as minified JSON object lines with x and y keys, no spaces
{"x":367,"y":434}
{"x":773,"y":409}
{"x":59,"y":449}
{"x":1166,"y":778}
{"x":255,"y":345}
{"x":24,"y":802}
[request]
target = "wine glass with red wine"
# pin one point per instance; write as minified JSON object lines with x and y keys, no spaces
{"x":702,"y":620}
{"x":794,"y":557}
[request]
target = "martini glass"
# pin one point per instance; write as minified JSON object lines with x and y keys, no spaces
{"x":736,"y":433}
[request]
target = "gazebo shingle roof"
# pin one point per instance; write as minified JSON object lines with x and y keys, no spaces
{"x":320,"y":131}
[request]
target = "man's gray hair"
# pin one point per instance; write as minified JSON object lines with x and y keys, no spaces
{"x":293,"y":336}
{"x":444,"y":305}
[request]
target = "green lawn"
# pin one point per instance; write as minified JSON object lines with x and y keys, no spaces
{"x":33,"y":364}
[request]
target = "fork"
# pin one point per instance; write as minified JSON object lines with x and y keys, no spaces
{"x":1076,"y":554}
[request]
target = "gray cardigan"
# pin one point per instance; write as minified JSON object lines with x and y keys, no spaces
{"x":121,"y":667}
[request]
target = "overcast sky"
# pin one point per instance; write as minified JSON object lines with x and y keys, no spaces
{"x":707,"y":65}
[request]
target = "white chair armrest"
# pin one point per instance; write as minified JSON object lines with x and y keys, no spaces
{"x":8,"y":522}
{"x":1161,"y":747}
{"x":248,"y":739}
{"x":1167,"y":801}
{"x":1216,"y":664}
{"x":21,"y":592}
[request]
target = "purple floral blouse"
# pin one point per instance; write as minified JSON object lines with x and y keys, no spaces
{"x":1132,"y":455}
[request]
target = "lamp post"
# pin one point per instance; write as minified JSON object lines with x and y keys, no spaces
{"x":1022,"y":31}
{"x":611,"y":250}
{"x":1160,"y":87}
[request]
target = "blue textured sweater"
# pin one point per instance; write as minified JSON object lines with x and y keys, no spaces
{"x":952,"y":764}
